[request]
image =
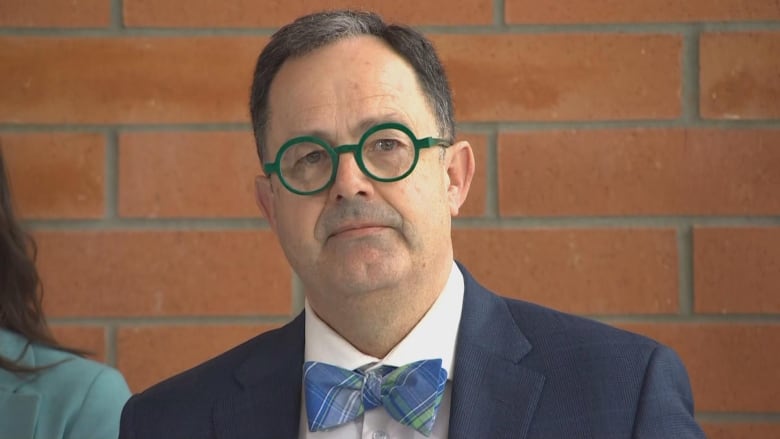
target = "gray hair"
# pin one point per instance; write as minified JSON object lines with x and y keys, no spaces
{"x":311,"y":32}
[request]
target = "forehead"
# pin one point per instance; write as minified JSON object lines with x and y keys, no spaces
{"x":338,"y":88}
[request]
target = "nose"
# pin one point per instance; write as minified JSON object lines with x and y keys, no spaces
{"x":350,"y":180}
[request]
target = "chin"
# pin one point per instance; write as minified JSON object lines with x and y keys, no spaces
{"x":369,"y":272}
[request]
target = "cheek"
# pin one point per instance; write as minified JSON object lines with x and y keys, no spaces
{"x":432,"y":187}
{"x":296,"y":219}
{"x":425,"y":203}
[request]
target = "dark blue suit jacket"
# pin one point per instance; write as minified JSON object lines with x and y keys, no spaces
{"x":521,"y":371}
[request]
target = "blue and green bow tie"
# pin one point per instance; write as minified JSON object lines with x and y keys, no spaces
{"x":411,"y":394}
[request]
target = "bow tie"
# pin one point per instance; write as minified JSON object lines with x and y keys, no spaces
{"x":411,"y":394}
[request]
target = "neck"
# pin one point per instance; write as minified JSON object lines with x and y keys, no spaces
{"x":377,"y":321}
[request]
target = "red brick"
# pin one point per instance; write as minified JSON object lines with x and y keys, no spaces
{"x":187,"y":174}
{"x":733,"y":367}
{"x":56,"y":175}
{"x":741,"y":430}
{"x":475,"y":203}
{"x":740,"y":75}
{"x":149,"y":354}
{"x":638,"y":11}
{"x":126,"y":80}
{"x":737,"y":270}
{"x":55,"y":13}
{"x":639,"y":172}
{"x":581,"y":271}
{"x":163,"y":273}
{"x":247,"y":13}
{"x":594,"y":76}
{"x":191,"y":80}
{"x":91,"y":339}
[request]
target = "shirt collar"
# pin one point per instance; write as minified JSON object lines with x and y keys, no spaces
{"x":434,"y":336}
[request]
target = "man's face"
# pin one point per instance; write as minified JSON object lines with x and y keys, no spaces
{"x":357,"y":236}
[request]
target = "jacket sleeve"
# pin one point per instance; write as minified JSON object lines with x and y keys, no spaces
{"x":98,"y":416}
{"x":665,"y":408}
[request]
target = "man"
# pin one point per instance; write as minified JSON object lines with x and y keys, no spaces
{"x":354,"y":126}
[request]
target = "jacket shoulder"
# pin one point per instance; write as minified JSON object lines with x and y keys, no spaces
{"x":184,"y":402}
{"x":77,"y":397}
{"x":599,"y":369}
{"x":539,"y":323}
{"x":219,"y":372}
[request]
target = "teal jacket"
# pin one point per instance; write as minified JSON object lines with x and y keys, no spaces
{"x":78,"y":398}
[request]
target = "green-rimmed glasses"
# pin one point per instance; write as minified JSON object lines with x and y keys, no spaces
{"x":386,"y":152}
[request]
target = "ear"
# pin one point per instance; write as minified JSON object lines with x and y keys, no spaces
{"x":264,"y":197}
{"x":460,"y":170}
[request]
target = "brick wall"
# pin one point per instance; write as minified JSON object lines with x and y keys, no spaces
{"x":628,"y":170}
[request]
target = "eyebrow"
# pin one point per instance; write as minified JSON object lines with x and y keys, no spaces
{"x":361,"y":127}
{"x":365,"y":124}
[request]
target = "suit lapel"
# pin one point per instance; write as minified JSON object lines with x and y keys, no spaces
{"x":268,"y":405}
{"x":493,"y":394}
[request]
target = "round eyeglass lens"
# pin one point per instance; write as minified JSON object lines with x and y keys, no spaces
{"x":306,"y":166}
{"x":388,"y":153}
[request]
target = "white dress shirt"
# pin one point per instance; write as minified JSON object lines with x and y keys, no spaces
{"x":433,"y":337}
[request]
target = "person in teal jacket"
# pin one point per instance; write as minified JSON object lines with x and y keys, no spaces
{"x":46,"y":390}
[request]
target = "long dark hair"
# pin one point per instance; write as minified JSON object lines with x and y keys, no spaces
{"x":20,"y":287}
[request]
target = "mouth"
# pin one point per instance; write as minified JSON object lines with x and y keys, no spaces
{"x":356,"y":230}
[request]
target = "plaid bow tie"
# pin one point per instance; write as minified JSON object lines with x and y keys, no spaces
{"x":411,"y":394}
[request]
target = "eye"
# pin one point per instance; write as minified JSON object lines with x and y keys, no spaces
{"x":386,"y":145}
{"x":312,"y":158}
{"x":305,"y":156}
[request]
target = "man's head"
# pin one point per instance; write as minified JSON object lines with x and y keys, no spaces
{"x":311,"y":32}
{"x":359,"y":240}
